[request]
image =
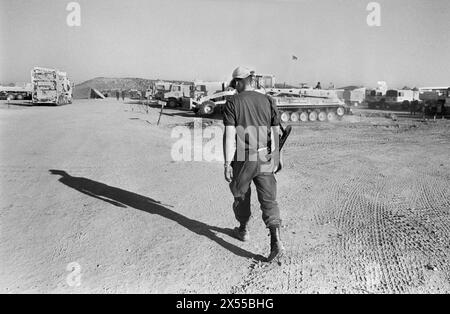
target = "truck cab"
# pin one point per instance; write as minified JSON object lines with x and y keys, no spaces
{"x":157,"y":90}
{"x":265,"y":81}
{"x":176,"y":94}
{"x":198,"y":91}
{"x":400,"y":99}
{"x":374,"y":98}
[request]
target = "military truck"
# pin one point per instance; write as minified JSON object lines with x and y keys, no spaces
{"x":174,"y":94}
{"x":16,"y":92}
{"x":374,"y":99}
{"x":399,"y":99}
{"x":177,"y":95}
{"x":393,"y":99}
{"x":435,"y":100}
{"x":157,"y":89}
{"x":50,"y":86}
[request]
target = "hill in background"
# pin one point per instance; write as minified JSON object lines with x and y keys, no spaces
{"x":108,"y":85}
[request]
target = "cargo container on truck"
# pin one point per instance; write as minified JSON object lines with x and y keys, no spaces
{"x":50,"y":86}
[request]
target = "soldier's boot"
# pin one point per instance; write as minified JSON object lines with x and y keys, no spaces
{"x":242,"y":233}
{"x":276,"y":246}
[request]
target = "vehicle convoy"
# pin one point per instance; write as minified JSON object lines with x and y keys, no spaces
{"x":11,"y":93}
{"x":435,"y":100}
{"x":50,"y":86}
{"x":174,"y":94}
{"x":392,"y":99}
{"x":399,"y":99}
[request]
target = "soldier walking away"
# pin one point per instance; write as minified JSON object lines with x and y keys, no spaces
{"x":123,"y":95}
{"x":248,"y":156}
{"x":117,"y":95}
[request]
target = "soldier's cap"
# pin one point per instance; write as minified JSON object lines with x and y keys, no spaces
{"x":242,"y":73}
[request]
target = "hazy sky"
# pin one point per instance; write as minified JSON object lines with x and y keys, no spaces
{"x":207,"y":39}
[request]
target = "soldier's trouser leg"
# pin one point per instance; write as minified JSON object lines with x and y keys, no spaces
{"x":243,"y":174}
{"x":241,"y":208}
{"x":266,"y":186}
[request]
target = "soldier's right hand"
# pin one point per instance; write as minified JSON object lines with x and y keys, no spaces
{"x":228,"y":173}
{"x":280,"y":164}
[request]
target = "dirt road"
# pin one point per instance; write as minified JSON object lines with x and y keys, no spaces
{"x":91,"y":201}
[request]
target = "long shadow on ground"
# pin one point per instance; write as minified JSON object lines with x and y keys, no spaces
{"x":123,"y":198}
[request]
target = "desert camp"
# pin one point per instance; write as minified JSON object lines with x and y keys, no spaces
{"x":248,"y":151}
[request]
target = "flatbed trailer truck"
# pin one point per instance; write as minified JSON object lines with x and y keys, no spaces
{"x":11,"y":93}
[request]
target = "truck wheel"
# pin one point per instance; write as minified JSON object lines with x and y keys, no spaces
{"x":295,"y":116}
{"x":313,"y":116}
{"x":19,"y":97}
{"x":207,"y":108}
{"x":285,"y":117}
{"x":303,"y":116}
{"x":10,"y":97}
{"x":172,"y":103}
{"x":406,"y":105}
{"x":322,"y":116}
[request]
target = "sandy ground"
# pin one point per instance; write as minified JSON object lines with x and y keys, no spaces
{"x":91,"y":201}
